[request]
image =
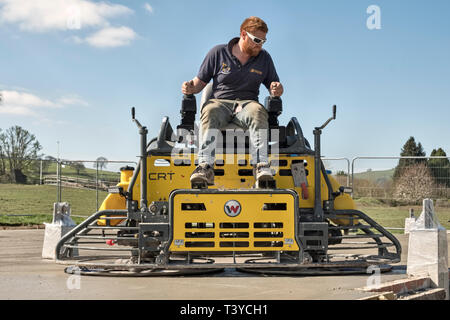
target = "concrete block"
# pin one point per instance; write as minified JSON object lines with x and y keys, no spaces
{"x":430,"y":294}
{"x":53,"y":233}
{"x":61,"y":214}
{"x":409,"y":224}
{"x":61,"y":224}
{"x":401,"y":286}
{"x":428,"y":249}
{"x":381,"y":296}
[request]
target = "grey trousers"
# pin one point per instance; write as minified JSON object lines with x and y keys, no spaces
{"x":217,"y":113}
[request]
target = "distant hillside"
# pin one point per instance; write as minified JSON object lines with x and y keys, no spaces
{"x":376,"y":176}
{"x":86,"y":172}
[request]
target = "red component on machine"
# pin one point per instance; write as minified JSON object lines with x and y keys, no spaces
{"x":305,"y":194}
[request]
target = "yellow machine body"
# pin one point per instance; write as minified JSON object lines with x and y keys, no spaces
{"x":114,"y":200}
{"x":166,"y":174}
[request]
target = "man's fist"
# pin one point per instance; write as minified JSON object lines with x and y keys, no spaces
{"x":276,"y":89}
{"x":188,"y":87}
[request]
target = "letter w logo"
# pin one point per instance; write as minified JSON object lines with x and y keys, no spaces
{"x":233,"y":209}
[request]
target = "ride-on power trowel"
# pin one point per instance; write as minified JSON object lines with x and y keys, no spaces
{"x":154,"y":222}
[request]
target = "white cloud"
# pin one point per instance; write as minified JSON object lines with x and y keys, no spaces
{"x":48,"y":15}
{"x":72,"y":100}
{"x":27,"y":104}
{"x":111,"y":37}
{"x":74,"y":15}
{"x":148,"y":7}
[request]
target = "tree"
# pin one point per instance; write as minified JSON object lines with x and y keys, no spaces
{"x":19,"y":149}
{"x":101,"y":163}
{"x":440,"y":168}
{"x":415,"y":183}
{"x":77,"y":166}
{"x":410,"y":148}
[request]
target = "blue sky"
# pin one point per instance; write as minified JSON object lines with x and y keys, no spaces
{"x":72,"y":69}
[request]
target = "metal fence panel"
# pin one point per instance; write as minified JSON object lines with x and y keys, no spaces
{"x":417,"y":178}
{"x":82,"y":183}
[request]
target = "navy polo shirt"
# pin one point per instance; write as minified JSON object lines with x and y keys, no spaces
{"x":231,"y":79}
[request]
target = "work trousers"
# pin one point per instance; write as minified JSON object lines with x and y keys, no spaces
{"x":217,"y":113}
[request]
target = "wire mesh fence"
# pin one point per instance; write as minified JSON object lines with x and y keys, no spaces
{"x":82,"y":183}
{"x":410,"y":181}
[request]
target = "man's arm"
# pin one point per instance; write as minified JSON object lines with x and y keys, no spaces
{"x":193,"y":86}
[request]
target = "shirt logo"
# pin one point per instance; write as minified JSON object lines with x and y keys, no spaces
{"x":256,"y":71}
{"x":225,"y":69}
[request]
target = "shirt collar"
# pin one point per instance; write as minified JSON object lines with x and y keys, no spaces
{"x":230,"y":45}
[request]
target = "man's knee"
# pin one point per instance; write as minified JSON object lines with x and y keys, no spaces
{"x":211,"y":110}
{"x":256,"y":110}
{"x":255,"y":115}
{"x":214,"y":115}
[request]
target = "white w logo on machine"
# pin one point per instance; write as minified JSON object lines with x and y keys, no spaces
{"x":232,"y":208}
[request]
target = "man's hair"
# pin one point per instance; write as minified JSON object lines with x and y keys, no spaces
{"x":252,"y":24}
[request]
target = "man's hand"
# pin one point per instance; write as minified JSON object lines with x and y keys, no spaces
{"x":193,"y":86}
{"x":276,"y":89}
{"x":188,"y":87}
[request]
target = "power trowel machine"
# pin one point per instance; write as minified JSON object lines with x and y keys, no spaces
{"x":154,"y":222}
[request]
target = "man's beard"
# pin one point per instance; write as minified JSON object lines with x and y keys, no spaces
{"x":253,"y":52}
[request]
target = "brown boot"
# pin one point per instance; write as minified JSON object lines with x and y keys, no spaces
{"x":204,"y":173}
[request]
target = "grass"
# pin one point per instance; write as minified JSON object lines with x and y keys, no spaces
{"x":31,"y":220}
{"x":394,"y":217}
{"x":37,"y":200}
{"x":33,"y":172}
{"x":86,"y":173}
{"x":375,"y":176}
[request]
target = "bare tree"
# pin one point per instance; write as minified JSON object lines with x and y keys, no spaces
{"x":19,"y":148}
{"x":77,"y":166}
{"x":414,"y":184}
{"x":101,"y":163}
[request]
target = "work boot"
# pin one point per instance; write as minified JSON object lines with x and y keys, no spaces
{"x":203,"y":174}
{"x":264,"y":175}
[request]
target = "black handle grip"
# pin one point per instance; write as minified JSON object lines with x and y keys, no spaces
{"x":132,"y":113}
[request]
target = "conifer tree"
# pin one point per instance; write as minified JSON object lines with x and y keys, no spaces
{"x":440,"y":168}
{"x":410,"y":148}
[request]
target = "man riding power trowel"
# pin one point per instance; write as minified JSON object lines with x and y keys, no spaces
{"x":237,"y":69}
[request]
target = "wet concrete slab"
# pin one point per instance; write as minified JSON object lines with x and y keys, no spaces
{"x":25,"y":275}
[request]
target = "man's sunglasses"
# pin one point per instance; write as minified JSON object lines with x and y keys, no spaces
{"x":256,"y":39}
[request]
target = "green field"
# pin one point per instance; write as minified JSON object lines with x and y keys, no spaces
{"x":85,"y":173}
{"x":394,"y":217}
{"x":88,"y":172}
{"x":374,"y":176}
{"x":38,"y":201}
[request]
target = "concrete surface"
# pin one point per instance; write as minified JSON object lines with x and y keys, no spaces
{"x":25,"y":275}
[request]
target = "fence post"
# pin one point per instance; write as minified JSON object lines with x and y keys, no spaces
{"x":96,"y":185}
{"x":40,"y":173}
{"x":348,"y":167}
{"x":58,"y":178}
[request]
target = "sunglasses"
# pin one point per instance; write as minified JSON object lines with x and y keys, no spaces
{"x":256,"y":39}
